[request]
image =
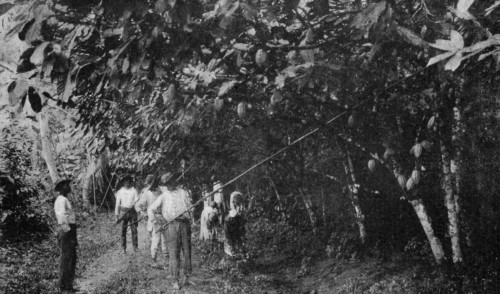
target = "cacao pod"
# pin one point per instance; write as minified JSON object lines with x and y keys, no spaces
{"x":417,"y":150}
{"x":426,"y":144}
{"x":276,"y":97}
{"x":218,"y":104}
{"x":402,"y":181}
{"x":430,"y":123}
{"x":415,"y":175}
{"x":350,"y":121}
{"x":261,"y":57}
{"x":242,"y":109}
{"x":409,"y":184}
{"x":371,"y":164}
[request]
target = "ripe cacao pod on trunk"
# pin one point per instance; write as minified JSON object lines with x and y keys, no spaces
{"x":409,"y":184}
{"x":415,"y":175}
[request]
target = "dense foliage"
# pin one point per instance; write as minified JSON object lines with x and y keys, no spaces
{"x":398,"y":100}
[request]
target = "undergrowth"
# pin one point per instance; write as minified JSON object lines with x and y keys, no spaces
{"x":33,"y":266}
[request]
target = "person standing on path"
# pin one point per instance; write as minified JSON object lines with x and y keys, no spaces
{"x":66,"y":234}
{"x":174,"y":204}
{"x":156,"y":236}
{"x":219,"y":200}
{"x":234,"y":227}
{"x":125,"y":211}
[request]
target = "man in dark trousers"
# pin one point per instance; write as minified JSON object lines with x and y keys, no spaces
{"x":125,"y":211}
{"x":173,"y":204}
{"x":66,"y":236}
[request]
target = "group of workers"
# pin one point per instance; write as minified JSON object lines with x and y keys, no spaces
{"x":166,"y":209}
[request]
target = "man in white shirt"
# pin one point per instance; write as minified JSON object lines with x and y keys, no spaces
{"x":66,"y":236}
{"x":156,"y":235}
{"x":174,"y":204}
{"x":126,"y":200}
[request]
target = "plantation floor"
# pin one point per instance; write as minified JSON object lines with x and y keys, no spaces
{"x":116,"y":272}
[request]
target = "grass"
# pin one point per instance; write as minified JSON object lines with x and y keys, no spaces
{"x":33,"y":266}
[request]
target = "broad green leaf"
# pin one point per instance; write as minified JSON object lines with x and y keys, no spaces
{"x":241,"y":46}
{"x":38,"y":55}
{"x":454,"y":62}
{"x":411,"y":37}
{"x":439,"y":58}
{"x":226,"y":87}
{"x":491,"y":8}
{"x":457,"y":40}
{"x":5,"y":7}
{"x":482,"y":45}
{"x":483,"y":56}
{"x":444,"y":45}
{"x":464,"y":5}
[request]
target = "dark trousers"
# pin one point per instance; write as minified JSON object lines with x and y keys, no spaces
{"x":129,"y":218}
{"x":179,"y":238}
{"x":67,"y":264}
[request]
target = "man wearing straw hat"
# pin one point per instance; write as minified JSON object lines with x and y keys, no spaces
{"x":173,"y":204}
{"x":155,"y":234}
{"x":66,"y":236}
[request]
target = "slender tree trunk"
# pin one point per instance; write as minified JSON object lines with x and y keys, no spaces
{"x":306,"y":197}
{"x":354,"y":196}
{"x":424,"y":218}
{"x":451,"y":202}
{"x":48,"y":152}
{"x":94,"y":165}
{"x":425,"y":221}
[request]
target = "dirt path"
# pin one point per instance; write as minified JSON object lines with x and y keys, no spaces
{"x":111,"y":263}
{"x":117,"y":272}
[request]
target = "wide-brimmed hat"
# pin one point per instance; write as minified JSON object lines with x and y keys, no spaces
{"x":166,"y":178}
{"x":60,"y":183}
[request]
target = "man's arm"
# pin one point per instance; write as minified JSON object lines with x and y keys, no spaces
{"x":157,"y":204}
{"x":118,"y":202}
{"x":141,"y":203}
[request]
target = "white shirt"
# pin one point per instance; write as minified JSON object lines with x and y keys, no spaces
{"x":147,"y":198}
{"x":64,"y":211}
{"x":171,"y":204}
{"x":218,"y":196}
{"x":126,"y":198}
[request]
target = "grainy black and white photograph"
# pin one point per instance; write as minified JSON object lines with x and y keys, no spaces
{"x":249,"y":146}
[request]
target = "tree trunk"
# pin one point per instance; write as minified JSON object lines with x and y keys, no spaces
{"x":94,"y":165}
{"x":48,"y":152}
{"x":425,"y":221}
{"x":354,"y":196}
{"x":310,"y":211}
{"x":451,"y":202}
